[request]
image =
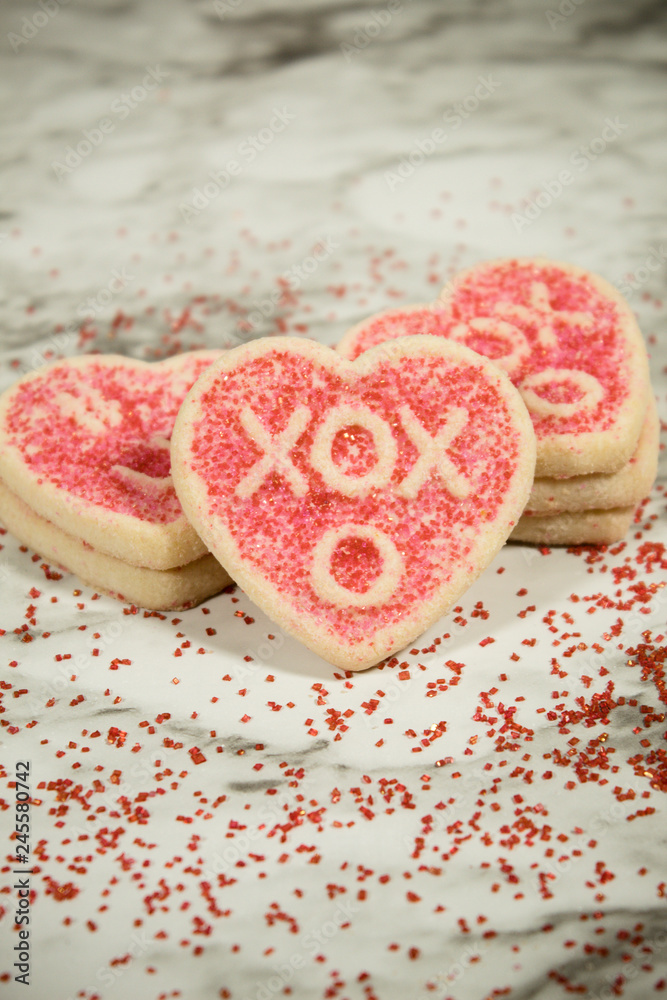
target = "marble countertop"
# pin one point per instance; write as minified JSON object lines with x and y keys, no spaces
{"x":216,"y":811}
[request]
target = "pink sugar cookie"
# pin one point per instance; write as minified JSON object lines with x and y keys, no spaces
{"x":85,"y":444}
{"x":353,"y":501}
{"x":567,"y":339}
{"x":160,"y":589}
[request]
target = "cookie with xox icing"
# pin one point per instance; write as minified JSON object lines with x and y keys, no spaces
{"x":567,"y":339}
{"x":159,"y":589}
{"x":600,"y":490}
{"x":353,"y":501}
{"x":585,"y":527}
{"x":84,"y":442}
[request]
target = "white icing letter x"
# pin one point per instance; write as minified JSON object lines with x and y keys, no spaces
{"x":276,"y":452}
{"x":432,"y":453}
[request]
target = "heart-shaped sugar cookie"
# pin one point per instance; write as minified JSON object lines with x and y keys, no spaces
{"x":85,"y":444}
{"x":353,"y":501}
{"x":567,"y":339}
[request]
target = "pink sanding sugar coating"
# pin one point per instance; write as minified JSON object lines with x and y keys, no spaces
{"x":564,"y":322}
{"x":278,"y":526}
{"x":87,"y":428}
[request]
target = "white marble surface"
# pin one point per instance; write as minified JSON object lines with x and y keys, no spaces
{"x":387,"y":863}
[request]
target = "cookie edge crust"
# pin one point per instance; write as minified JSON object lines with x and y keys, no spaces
{"x":600,"y":490}
{"x":171,"y":589}
{"x":587,"y":527}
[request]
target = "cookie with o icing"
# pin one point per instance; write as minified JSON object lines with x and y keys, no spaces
{"x":84,"y":451}
{"x":567,"y":339}
{"x":353,"y":501}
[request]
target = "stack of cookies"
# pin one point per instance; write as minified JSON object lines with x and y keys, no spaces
{"x":572,"y":347}
{"x":85,"y":476}
{"x":354,"y":495}
{"x":353,"y":501}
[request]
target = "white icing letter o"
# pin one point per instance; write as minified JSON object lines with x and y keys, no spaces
{"x":326,"y":587}
{"x":518,"y":347}
{"x":591,"y":389}
{"x":385,"y":445}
